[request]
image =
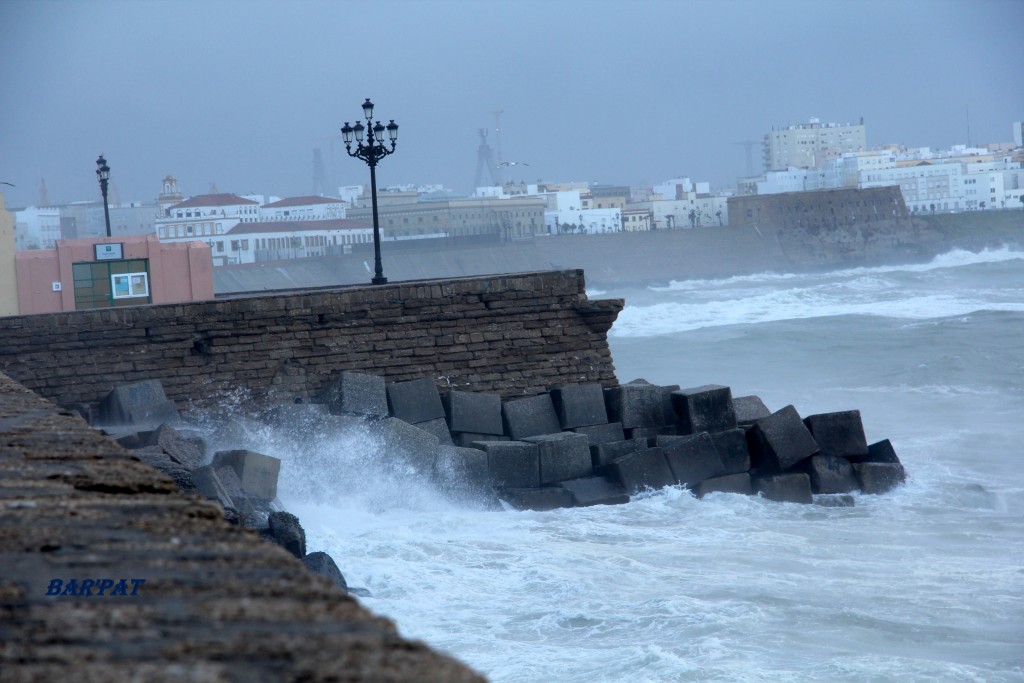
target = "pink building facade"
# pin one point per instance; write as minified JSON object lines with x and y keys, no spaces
{"x":107,"y":272}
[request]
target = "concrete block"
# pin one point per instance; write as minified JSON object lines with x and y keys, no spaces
{"x":531,"y":416}
{"x":400,"y":441}
{"x":609,"y":432}
{"x":879,"y":477}
{"x":779,"y":441}
{"x":512,"y":464}
{"x":356,"y":393}
{"x":187,"y":451}
{"x":296,"y":419}
{"x":473,"y":412}
{"x":285,"y":530}
{"x":840,"y":434}
{"x":730,"y":483}
{"x":881,"y":451}
{"x":579,"y":405}
{"x":588,"y":491}
{"x":749,"y":409}
{"x":415,"y":401}
{"x":562,"y":456}
{"x":648,"y":435}
{"x":646,"y":469}
{"x":830,"y":474}
{"x":256,"y":472}
{"x":438,"y":428}
{"x":208,"y":484}
{"x":468,"y":440}
{"x":732,"y":448}
{"x":242,"y":505}
{"x":635,"y":405}
{"x":322,"y":564}
{"x":692,"y":458}
{"x":785,"y":488}
{"x":706,"y":408}
{"x":539,"y":499}
{"x":142,"y":403}
{"x":667,"y":409}
{"x":603,"y":454}
{"x":157,"y":458}
{"x":461,"y":472}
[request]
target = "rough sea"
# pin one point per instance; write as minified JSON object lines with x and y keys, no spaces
{"x":925,"y":583}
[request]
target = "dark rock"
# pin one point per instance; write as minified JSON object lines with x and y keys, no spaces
{"x":471,"y":412}
{"x":779,"y":441}
{"x":607,"y":433}
{"x":692,"y":458}
{"x":635,"y":405}
{"x":142,"y":403}
{"x":532,"y":416}
{"x":415,"y":401}
{"x":155,"y":457}
{"x":564,"y":455}
{"x":467,"y":440}
{"x":840,"y":434}
{"x":595,"y":491}
{"x":603,"y":454}
{"x":540,"y":499}
{"x":881,"y":451}
{"x":706,"y":408}
{"x":579,"y":405}
{"x":401,"y":442}
{"x":749,"y":409}
{"x":785,"y":488}
{"x":730,"y":483}
{"x":256,"y":472}
{"x":187,"y":451}
{"x":130,"y":440}
{"x":438,"y":428}
{"x":240,"y":502}
{"x":830,"y":474}
{"x":209,"y":485}
{"x":732,"y":448}
{"x":512,"y":464}
{"x":355,"y":393}
{"x":286,"y":531}
{"x":646,"y":469}
{"x":879,"y":477}
{"x":322,"y":564}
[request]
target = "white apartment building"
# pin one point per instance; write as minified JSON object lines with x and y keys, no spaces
{"x":36,"y":227}
{"x":303,"y":209}
{"x":810,"y":144}
{"x":206,"y":215}
{"x":564,"y":212}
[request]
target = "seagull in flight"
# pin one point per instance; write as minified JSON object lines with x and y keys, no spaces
{"x":4,"y":182}
{"x":513,"y":163}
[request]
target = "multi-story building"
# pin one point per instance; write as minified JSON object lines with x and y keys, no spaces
{"x":303,"y":209}
{"x":806,"y":145}
{"x":36,"y":227}
{"x":407,"y":215}
{"x":206,"y":215}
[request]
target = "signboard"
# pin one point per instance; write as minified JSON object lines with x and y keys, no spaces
{"x":109,"y":252}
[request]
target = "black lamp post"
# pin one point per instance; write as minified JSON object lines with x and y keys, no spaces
{"x":372,"y":151}
{"x":103,"y":174}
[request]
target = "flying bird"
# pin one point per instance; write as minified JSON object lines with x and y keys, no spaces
{"x":513,"y":163}
{"x":4,"y":182}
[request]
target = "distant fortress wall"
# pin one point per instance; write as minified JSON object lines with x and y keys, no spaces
{"x":511,"y":334}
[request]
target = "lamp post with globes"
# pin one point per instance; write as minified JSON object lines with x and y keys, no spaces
{"x":371,"y":151}
{"x":103,"y":175}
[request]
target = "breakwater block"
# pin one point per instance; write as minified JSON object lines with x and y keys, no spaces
{"x":538,"y":499}
{"x":208,"y":484}
{"x":438,"y":428}
{"x":283,"y":528}
{"x":779,"y":441}
{"x":155,"y":457}
{"x":879,"y":477}
{"x":706,"y":408}
{"x":532,"y":416}
{"x":642,"y":470}
{"x":785,"y":488}
{"x":512,"y":464}
{"x":415,"y":401}
{"x":579,"y":405}
{"x":881,"y":451}
{"x":730,"y":483}
{"x":241,"y":504}
{"x":635,"y":405}
{"x":256,"y":472}
{"x":322,"y":564}
{"x":830,"y":474}
{"x":692,"y":458}
{"x":461,"y":471}
{"x":468,"y":440}
{"x":565,"y":455}
{"x":140,"y":403}
{"x":835,"y":500}
{"x":400,"y":441}
{"x":604,"y":454}
{"x":840,"y":434}
{"x":609,"y":432}
{"x":186,"y":451}
{"x":588,"y":491}
{"x":356,"y":393}
{"x":473,"y":412}
{"x":749,"y":409}
{"x":732,"y":449}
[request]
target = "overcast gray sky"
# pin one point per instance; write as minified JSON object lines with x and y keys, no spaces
{"x":238,"y":93}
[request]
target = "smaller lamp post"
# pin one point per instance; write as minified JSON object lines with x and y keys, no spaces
{"x":372,"y":151}
{"x":103,"y":175}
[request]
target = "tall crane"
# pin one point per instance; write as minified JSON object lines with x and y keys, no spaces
{"x":749,"y":146}
{"x":497,"y":133}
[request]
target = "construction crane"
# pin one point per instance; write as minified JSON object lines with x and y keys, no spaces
{"x":485,"y":159}
{"x":497,"y":133}
{"x":749,"y":146}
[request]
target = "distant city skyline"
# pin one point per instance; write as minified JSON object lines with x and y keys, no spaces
{"x":238,"y":94}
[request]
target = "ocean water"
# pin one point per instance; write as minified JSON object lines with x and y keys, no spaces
{"x":925,"y":583}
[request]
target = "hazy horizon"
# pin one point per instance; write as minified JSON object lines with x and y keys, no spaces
{"x":240,"y":93}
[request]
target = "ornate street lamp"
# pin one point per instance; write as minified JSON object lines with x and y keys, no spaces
{"x":372,"y":151}
{"x":103,"y":175}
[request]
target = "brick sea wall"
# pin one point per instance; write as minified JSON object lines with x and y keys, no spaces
{"x":511,"y":334}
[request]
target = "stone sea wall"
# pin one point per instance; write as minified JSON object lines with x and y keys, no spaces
{"x":510,"y":334}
